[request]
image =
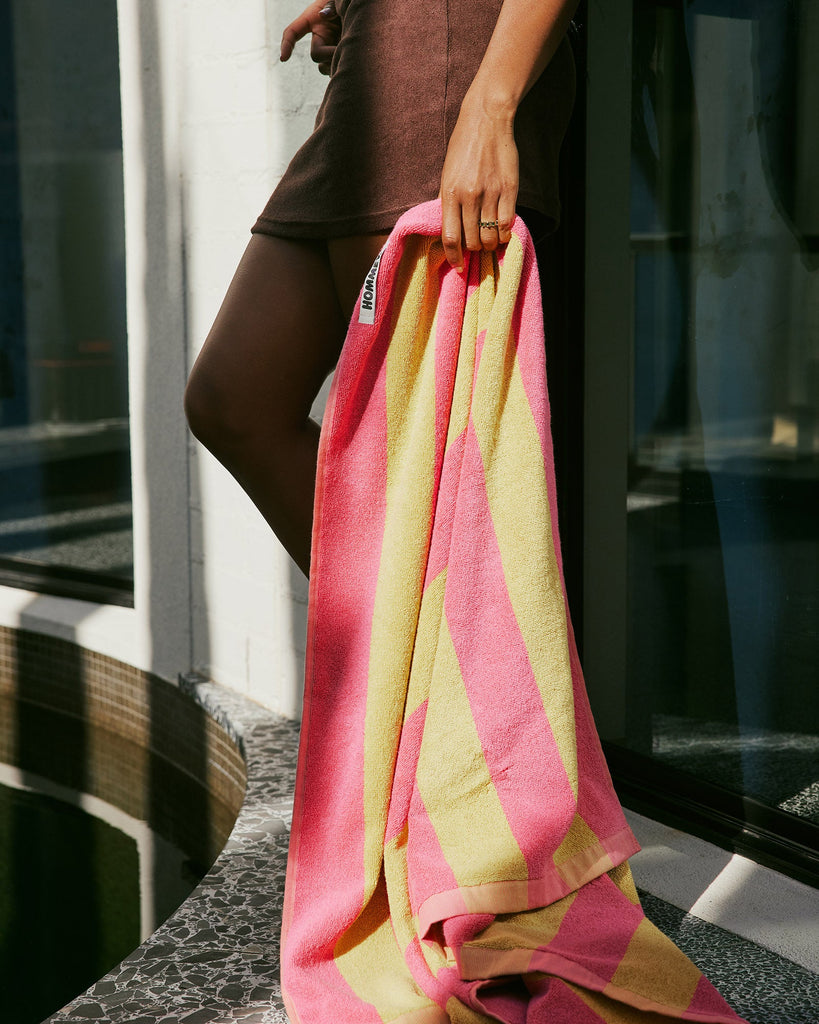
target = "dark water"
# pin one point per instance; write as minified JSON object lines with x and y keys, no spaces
{"x":69,"y":903}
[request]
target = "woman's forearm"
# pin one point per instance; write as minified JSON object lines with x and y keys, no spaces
{"x":479,"y":181}
{"x":526,"y":36}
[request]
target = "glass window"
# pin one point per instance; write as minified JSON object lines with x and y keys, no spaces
{"x":720,"y":260}
{"x":65,"y":512}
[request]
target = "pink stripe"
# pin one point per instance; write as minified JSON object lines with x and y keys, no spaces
{"x":527,"y":329}
{"x":445,"y":510}
{"x":404,"y":774}
{"x":311,"y":984}
{"x":597,"y":928}
{"x":428,"y":871}
{"x":553,"y":1000}
{"x":508,"y":1002}
{"x":448,"y":331}
{"x":515,"y":733}
{"x":447,"y":334}
{"x":430,"y":985}
{"x":596,"y":802}
{"x":461,"y":928}
{"x":321,"y":904}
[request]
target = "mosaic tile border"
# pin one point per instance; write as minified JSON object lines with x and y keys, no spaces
{"x":216,"y":959}
{"x":97,"y":725}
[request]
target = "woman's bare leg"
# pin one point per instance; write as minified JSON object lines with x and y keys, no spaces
{"x":277,"y":336}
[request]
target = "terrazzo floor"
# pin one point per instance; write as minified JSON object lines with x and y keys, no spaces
{"x":216,"y":959}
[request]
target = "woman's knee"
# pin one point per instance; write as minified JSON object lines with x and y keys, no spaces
{"x":217,"y":404}
{"x":231,"y":403}
{"x":202,"y":405}
{"x":275,"y":338}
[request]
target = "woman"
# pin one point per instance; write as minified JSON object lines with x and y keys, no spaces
{"x":468,"y":102}
{"x":426,"y":97}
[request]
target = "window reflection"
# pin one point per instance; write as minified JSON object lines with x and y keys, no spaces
{"x":724,"y":453}
{"x":64,"y":453}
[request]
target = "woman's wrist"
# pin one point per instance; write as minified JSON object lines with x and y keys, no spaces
{"x":492,"y":102}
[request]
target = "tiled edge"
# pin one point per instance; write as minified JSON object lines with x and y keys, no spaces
{"x":216,"y":959}
{"x":126,"y":736}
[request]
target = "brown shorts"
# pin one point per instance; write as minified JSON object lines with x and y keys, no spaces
{"x":399,"y":75}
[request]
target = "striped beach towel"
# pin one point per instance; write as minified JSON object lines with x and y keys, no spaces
{"x":458,"y":852}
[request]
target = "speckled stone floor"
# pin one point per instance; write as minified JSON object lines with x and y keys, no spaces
{"x":216,"y":959}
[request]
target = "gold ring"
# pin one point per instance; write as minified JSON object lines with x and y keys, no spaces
{"x":488,"y":223}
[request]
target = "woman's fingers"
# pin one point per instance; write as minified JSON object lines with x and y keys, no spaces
{"x":451,"y":229}
{"x":325,"y":26}
{"x":325,"y":38}
{"x":470,"y":218}
{"x":479,"y":184}
{"x":506,"y":214}
{"x":295,"y":31}
{"x":322,"y":53}
{"x":490,"y":236}
{"x":467,"y":225}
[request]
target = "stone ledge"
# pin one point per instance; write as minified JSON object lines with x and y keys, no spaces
{"x":216,"y":959}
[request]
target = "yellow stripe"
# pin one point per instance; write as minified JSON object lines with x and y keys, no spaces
{"x":372,"y":964}
{"x":465,"y":372}
{"x":460,"y":1014}
{"x":426,"y":643}
{"x":579,"y":837}
{"x":624,"y":880}
{"x":456,"y":786}
{"x":519,"y":504}
{"x":529,"y":930}
{"x":410,"y":397}
{"x":655,"y":969}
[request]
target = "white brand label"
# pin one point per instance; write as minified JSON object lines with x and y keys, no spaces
{"x":366,"y":312}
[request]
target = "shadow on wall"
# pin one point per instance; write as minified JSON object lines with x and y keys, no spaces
{"x":167,"y":481}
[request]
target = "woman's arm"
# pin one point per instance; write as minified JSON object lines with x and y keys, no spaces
{"x":479,"y":181}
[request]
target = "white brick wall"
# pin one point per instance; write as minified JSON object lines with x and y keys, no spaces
{"x":243,"y":114}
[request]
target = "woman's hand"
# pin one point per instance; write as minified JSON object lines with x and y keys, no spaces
{"x":321,"y":19}
{"x":479,"y":181}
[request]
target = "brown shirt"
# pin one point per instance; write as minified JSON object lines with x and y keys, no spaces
{"x":399,"y":75}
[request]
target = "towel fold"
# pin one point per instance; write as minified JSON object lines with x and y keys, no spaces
{"x":458,"y":852}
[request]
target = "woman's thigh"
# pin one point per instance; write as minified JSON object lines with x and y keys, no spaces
{"x":278,"y":333}
{"x":276,"y":337}
{"x":350,"y":259}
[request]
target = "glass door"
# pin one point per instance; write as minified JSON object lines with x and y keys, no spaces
{"x":701,"y":585}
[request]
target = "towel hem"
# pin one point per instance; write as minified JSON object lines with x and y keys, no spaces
{"x":516,"y":895}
